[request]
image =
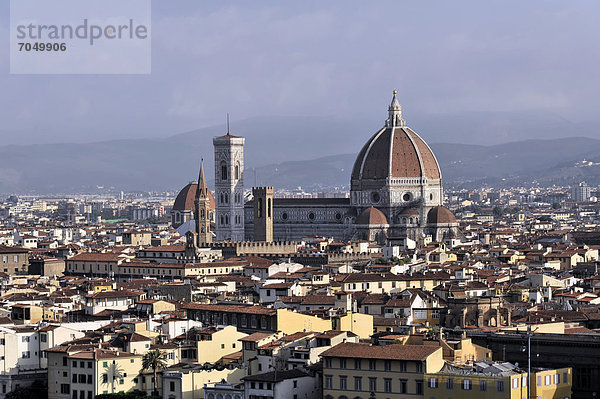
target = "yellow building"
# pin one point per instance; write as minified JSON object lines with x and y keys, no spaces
{"x":497,"y":381}
{"x":215,"y":343}
{"x":84,"y":371}
{"x":392,"y":371}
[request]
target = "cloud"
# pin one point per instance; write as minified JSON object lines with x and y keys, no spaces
{"x":322,"y":58}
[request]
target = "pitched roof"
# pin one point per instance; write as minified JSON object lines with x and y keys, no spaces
{"x":392,"y":352}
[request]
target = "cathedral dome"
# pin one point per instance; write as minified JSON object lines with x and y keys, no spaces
{"x":186,"y":197}
{"x":371,"y":216}
{"x":396,"y":151}
{"x":440,"y":215}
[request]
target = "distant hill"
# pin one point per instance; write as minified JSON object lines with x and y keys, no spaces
{"x":287,"y":152}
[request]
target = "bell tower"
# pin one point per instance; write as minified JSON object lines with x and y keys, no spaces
{"x":202,"y":214}
{"x":229,"y":186}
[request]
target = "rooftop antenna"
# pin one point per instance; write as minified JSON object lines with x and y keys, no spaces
{"x":228,"y":123}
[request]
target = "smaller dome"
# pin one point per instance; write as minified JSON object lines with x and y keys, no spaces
{"x":371,"y":216}
{"x":440,"y":215}
{"x":187,"y":196}
{"x":409,"y":212}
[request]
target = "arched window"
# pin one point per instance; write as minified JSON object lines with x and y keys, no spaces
{"x":226,"y":219}
{"x":223,"y":171}
{"x":202,"y":216}
{"x":237,"y":171}
{"x":260,"y":208}
{"x":227,"y":198}
{"x":222,"y":198}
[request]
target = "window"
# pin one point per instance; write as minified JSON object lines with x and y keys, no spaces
{"x":372,"y":364}
{"x":419,"y":387}
{"x":539,"y":380}
{"x":403,"y":386}
{"x":388,"y":365}
{"x":328,"y":382}
{"x":515,"y":382}
{"x":43,"y":338}
{"x":524,"y":381}
{"x":82,"y":378}
{"x":565,"y":377}
{"x":26,"y":355}
{"x":223,"y":171}
{"x":74,"y":379}
{"x":172,"y":386}
{"x":74,"y":394}
{"x":89,"y":379}
{"x":372,"y":384}
{"x":450,"y":383}
{"x":387,"y":385}
{"x":65,"y":388}
{"x":357,"y":364}
{"x":358,"y":383}
{"x":548,"y":379}
{"x":483,"y":385}
{"x":104,"y":378}
{"x":419,"y":367}
{"x":466,"y":385}
{"x":500,"y":386}
{"x":24,"y":339}
{"x":89,"y":365}
{"x":65,"y":361}
{"x":403,"y":367}
{"x":433,"y":382}
{"x":342,"y":363}
{"x":343,"y":382}
{"x":556,"y":379}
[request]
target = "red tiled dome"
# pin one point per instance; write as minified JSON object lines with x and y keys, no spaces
{"x":186,"y":197}
{"x":396,"y":152}
{"x":371,"y":216}
{"x":440,"y":215}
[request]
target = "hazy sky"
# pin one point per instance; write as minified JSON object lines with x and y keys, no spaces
{"x":341,"y":58}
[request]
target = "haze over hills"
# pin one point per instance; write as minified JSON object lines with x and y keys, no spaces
{"x":291,"y":152}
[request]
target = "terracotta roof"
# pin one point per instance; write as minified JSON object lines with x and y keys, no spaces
{"x":96,"y":257}
{"x":440,"y":215}
{"x":230,"y":308}
{"x":186,"y":197}
{"x":371,"y":216}
{"x":5,"y":249}
{"x":395,"y":152}
{"x":258,"y":336}
{"x":392,"y":352}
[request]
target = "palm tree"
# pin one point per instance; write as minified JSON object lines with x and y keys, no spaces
{"x":155,"y":360}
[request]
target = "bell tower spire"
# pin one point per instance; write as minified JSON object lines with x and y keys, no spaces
{"x":394,"y":113}
{"x":202,"y":216}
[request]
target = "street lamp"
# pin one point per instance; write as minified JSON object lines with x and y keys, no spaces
{"x":529,"y":334}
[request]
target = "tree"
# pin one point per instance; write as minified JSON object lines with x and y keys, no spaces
{"x":38,"y":389}
{"x":154,"y":360}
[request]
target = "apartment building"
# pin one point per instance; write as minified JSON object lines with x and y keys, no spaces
{"x":392,"y":371}
{"x":496,"y":380}
{"x":84,"y":371}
